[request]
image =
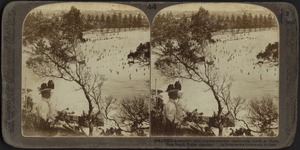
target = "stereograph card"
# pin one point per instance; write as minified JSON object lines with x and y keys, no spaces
{"x":149,"y":74}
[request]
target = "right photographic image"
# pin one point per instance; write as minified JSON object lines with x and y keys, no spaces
{"x":214,"y":71}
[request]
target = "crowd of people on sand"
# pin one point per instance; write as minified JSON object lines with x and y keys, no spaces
{"x":247,"y":51}
{"x":112,"y":60}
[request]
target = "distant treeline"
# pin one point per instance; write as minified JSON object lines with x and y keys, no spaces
{"x":38,"y":25}
{"x":115,"y":21}
{"x":228,"y":22}
{"x":101,"y":21}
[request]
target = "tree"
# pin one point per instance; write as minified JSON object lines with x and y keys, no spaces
{"x":239,"y":23}
{"x":120,"y":21}
{"x":184,"y":55}
{"x":102,"y":22}
{"x":161,"y":29}
{"x":125,"y":22}
{"x":219,"y":22}
{"x":108,"y":22}
{"x":144,"y":22}
{"x":139,"y":21}
{"x":97,"y":21}
{"x":142,"y":54}
{"x":223,"y":23}
{"x":255,"y":22}
{"x":263,"y":114}
{"x":135,"y":113}
{"x":157,"y":117}
{"x":37,"y":26}
{"x":130,"y":21}
{"x":60,"y":58}
{"x":134,"y":22}
{"x":72,"y":24}
{"x":265,"y":22}
{"x":245,"y":21}
{"x":236,"y":106}
{"x":261,"y":21}
{"x":200,"y":29}
{"x":114,"y":21}
{"x":232,"y":22}
{"x":29,"y":23}
{"x":227,"y":23}
{"x":89,"y":22}
{"x":270,"y":54}
{"x":250,"y":21}
{"x":213,"y":23}
{"x":270,"y":21}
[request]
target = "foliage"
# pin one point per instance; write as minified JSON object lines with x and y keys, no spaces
{"x":263,"y":114}
{"x":270,"y":54}
{"x":142,"y":53}
{"x":30,"y":119}
{"x":224,"y":118}
{"x":72,"y":26}
{"x":195,"y":124}
{"x":184,"y":55}
{"x":157,"y":117}
{"x":218,"y":22}
{"x":114,"y":21}
{"x":180,"y":44}
{"x":161,"y":31}
{"x":59,"y":57}
{"x":236,"y":105}
{"x":37,"y":26}
{"x":134,"y":112}
{"x":240,"y":132}
{"x":200,"y":27}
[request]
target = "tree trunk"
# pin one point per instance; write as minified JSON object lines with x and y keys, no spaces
{"x":91,"y":128}
{"x":90,"y":119}
{"x":221,"y":129}
{"x":220,"y":124}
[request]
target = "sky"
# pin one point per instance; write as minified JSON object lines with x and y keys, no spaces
{"x":100,"y":6}
{"x":216,"y":7}
{"x":85,"y":6}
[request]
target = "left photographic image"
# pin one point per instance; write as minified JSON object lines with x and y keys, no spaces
{"x":85,"y":70}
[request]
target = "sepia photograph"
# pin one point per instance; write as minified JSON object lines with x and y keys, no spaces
{"x":85,"y":71}
{"x":185,"y":75}
{"x":215,"y":71}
